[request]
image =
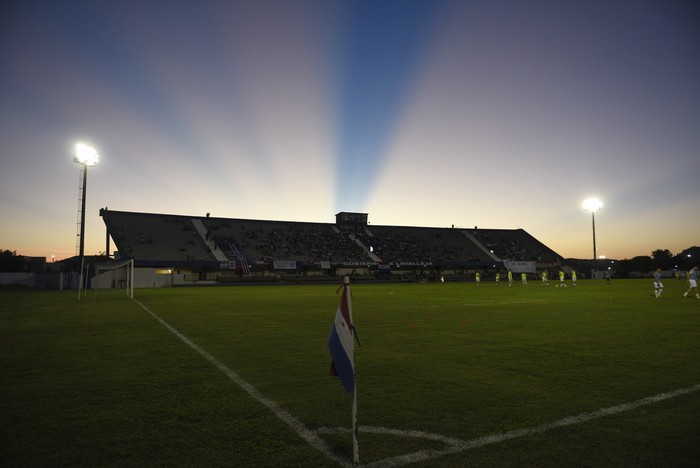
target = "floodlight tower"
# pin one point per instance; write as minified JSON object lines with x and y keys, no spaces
{"x":593,"y":205}
{"x":87,"y":157}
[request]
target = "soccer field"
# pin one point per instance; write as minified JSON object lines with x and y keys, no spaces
{"x":448,"y":375}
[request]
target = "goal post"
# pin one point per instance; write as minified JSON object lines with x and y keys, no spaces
{"x":116,"y":274}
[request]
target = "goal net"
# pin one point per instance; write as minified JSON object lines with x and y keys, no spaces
{"x":117,"y":274}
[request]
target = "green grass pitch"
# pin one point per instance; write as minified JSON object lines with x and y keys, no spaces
{"x":101,"y":382}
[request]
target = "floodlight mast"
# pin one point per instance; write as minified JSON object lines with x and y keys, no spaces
{"x":87,"y":156}
{"x":593,"y":205}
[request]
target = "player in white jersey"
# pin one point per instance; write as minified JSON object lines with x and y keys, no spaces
{"x":658,"y":285}
{"x":693,"y":281}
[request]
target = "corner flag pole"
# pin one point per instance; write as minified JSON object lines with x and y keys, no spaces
{"x":355,"y":444}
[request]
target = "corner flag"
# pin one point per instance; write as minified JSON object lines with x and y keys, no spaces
{"x":342,"y":348}
{"x":340,"y":343}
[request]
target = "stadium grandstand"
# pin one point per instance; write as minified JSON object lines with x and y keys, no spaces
{"x":172,"y":249}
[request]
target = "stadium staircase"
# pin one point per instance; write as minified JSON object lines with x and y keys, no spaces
{"x":481,"y":246}
{"x":371,"y":255}
{"x":220,"y":254}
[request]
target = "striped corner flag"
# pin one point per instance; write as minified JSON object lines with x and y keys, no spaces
{"x":340,"y":343}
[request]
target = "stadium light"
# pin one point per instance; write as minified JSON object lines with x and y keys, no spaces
{"x":86,"y":156}
{"x":593,"y":204}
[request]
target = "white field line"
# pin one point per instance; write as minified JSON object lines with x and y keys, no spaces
{"x":453,"y":445}
{"x":309,"y":436}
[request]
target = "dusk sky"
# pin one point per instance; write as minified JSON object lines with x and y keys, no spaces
{"x":497,"y":114}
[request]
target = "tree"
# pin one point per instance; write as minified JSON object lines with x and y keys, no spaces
{"x":687,"y":258}
{"x":641,"y":263}
{"x":662,"y":258}
{"x":10,"y":261}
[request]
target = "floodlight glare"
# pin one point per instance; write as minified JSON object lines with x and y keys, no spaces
{"x":592,"y":204}
{"x":85,"y":154}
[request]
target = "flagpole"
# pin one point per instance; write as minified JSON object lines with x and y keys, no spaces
{"x":355,"y":446}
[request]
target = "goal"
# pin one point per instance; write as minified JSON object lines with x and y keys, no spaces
{"x":117,"y":274}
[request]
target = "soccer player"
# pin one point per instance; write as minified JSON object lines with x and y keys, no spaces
{"x":498,"y":278}
{"x":693,"y":280}
{"x":545,"y":281}
{"x":658,"y":285}
{"x":510,"y":279}
{"x":562,"y":284}
{"x":573,"y":277}
{"x":478,"y":279}
{"x":523,"y":278}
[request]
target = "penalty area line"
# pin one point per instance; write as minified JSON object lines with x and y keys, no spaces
{"x":297,"y":426}
{"x":580,"y":418}
{"x":456,"y":446}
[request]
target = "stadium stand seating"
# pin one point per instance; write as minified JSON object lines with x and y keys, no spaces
{"x":153,"y":237}
{"x":514,"y":244}
{"x":264,"y":241}
{"x":419,"y":244}
{"x":164,"y":239}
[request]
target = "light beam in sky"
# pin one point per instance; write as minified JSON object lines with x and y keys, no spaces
{"x":382,"y":46}
{"x":496,"y":114}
